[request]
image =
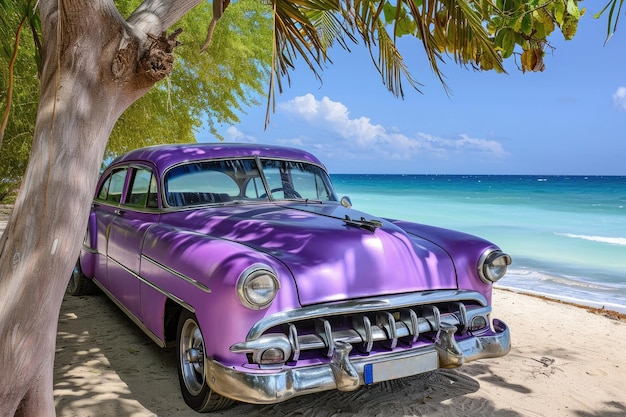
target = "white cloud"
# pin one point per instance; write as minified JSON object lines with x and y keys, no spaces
{"x":294,"y":142}
{"x":619,"y":98}
{"x":304,"y":106}
{"x":364,"y":136}
{"x":235,"y":135}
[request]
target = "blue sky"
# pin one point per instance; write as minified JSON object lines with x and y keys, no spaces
{"x":568,"y":120}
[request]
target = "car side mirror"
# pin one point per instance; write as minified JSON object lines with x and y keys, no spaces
{"x":345,"y":201}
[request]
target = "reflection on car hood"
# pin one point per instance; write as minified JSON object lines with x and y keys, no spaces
{"x":331,"y":256}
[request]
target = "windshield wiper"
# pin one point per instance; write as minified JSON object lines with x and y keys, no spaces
{"x":303,"y":200}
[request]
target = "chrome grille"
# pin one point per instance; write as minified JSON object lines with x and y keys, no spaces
{"x":384,"y":328}
{"x":393,"y":323}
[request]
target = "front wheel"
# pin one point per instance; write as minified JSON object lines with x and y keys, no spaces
{"x":191,"y":373}
{"x":79,"y":284}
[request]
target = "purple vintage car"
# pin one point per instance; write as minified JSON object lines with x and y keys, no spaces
{"x":270,"y":287}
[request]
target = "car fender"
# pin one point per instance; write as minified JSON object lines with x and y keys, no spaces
{"x":464,"y":249}
{"x":203,"y":271}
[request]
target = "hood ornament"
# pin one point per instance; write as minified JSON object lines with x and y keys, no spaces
{"x":363,"y":223}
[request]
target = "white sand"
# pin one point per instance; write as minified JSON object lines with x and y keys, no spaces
{"x":565,"y":361}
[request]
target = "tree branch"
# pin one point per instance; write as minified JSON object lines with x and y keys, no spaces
{"x":156,"y":16}
{"x":218,"y":10}
{"x":5,"y":118}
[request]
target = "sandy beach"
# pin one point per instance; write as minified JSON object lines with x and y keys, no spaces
{"x":565,"y":361}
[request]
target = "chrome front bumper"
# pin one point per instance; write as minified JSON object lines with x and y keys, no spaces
{"x":347,"y":374}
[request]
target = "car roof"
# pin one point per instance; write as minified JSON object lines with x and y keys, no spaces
{"x":164,"y":156}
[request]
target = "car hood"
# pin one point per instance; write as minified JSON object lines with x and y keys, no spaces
{"x":331,"y":252}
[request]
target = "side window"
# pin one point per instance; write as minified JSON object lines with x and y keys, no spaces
{"x":104,"y":191}
{"x":143,"y":189}
{"x":117,"y":186}
{"x":112,"y":188}
{"x":153,"y":200}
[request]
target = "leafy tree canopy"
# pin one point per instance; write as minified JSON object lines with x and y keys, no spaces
{"x":213,"y":87}
{"x":19,"y":127}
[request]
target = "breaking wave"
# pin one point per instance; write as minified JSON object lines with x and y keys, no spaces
{"x":620,"y":241}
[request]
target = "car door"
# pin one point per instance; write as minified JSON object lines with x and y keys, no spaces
{"x":106,"y":203}
{"x":136,"y":214}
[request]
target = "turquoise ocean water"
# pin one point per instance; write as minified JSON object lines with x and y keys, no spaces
{"x":566,"y":234}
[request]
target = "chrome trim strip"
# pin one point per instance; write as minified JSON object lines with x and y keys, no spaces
{"x":89,"y":249}
{"x":268,"y":189}
{"x":184,"y":277}
{"x":363,"y":305}
{"x":125,"y":207}
{"x":130,"y":315}
{"x":151,"y":285}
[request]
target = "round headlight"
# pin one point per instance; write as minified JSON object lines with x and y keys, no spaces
{"x":492,"y":265}
{"x":257,"y":286}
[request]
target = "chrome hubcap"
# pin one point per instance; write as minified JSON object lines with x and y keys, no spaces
{"x":192,"y":357}
{"x":74,"y":277}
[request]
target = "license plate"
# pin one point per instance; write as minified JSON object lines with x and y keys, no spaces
{"x":400,"y":368}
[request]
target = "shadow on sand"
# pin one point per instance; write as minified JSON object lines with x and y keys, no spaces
{"x":105,"y":366}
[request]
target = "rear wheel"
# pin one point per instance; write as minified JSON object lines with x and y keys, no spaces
{"x":79,"y":284}
{"x":191,"y":372}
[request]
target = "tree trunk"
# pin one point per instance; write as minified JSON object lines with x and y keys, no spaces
{"x":94,"y":66}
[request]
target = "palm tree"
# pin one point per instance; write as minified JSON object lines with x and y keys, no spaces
{"x":309,"y":28}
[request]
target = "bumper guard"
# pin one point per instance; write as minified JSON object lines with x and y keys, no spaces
{"x":345,"y":374}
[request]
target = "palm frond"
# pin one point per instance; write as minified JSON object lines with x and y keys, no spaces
{"x":305,"y":29}
{"x":391,"y":65}
{"x":613,"y":17}
{"x":331,"y":29}
{"x":308,"y":28}
{"x":472,"y":35}
{"x":371,"y":25}
{"x":425,"y":20}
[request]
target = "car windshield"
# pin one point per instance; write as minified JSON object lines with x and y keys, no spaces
{"x":241,"y":180}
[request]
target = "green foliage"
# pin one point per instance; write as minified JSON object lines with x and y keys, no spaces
{"x":615,"y":9}
{"x":19,"y":131}
{"x":212,"y":88}
{"x":483,"y":33}
{"x":476,"y":33}
{"x":526,"y":26}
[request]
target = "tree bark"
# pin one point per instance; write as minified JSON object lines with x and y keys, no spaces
{"x":95,"y":64}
